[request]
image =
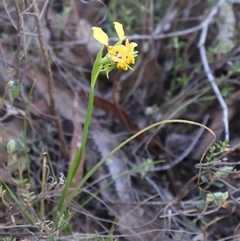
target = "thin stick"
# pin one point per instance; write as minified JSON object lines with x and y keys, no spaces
{"x":207,"y":70}
{"x":19,"y":26}
{"x":64,"y":148}
{"x":9,"y":15}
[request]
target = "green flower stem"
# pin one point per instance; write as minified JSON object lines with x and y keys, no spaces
{"x":25,"y":122}
{"x":80,"y":151}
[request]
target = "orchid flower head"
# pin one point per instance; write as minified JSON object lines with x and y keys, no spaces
{"x":119,"y":55}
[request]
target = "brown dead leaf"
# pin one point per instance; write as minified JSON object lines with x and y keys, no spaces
{"x":63,"y":98}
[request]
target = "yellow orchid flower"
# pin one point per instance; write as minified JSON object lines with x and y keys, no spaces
{"x":119,"y":55}
{"x":130,"y":52}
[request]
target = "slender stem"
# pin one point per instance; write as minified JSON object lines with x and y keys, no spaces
{"x":80,"y":151}
{"x":25,"y":122}
{"x":19,"y":25}
{"x":86,"y":127}
{"x":44,"y":174}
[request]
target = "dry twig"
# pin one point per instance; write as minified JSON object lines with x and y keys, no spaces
{"x":208,"y":72}
{"x":64,"y":148}
{"x":19,"y":26}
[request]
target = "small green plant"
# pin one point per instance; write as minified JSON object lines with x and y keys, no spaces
{"x":217,"y":150}
{"x":14,"y":147}
{"x":9,"y":239}
{"x":148,"y":167}
{"x":176,"y":64}
{"x":218,"y":198}
{"x":212,"y":177}
{"x":109,"y":239}
{"x":235,"y":68}
{"x":118,"y":55}
{"x":28,"y":205}
{"x":14,"y":88}
{"x":127,"y":12}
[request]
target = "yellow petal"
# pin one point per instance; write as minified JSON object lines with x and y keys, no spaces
{"x":118,"y":51}
{"x":130,"y":46}
{"x":119,"y":29}
{"x":122,"y":65}
{"x":133,"y":45}
{"x":130,"y":60}
{"x":100,"y":35}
